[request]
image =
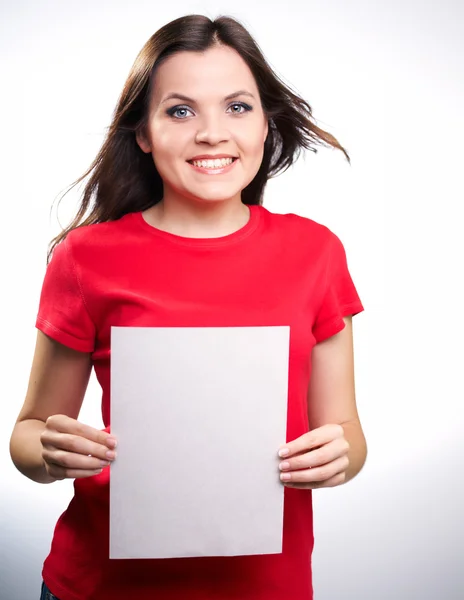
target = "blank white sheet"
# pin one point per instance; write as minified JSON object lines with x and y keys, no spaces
{"x":199,"y":414}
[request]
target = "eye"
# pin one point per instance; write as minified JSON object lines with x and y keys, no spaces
{"x":177,"y":109}
{"x":180,"y":112}
{"x":246,"y":108}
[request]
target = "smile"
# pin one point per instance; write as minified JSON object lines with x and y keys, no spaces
{"x":213,"y":167}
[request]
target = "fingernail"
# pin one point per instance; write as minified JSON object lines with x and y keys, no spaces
{"x":110,"y":454}
{"x":284,"y":452}
{"x":112,"y":442}
{"x":285,"y":476}
{"x":284,"y":465}
{"x":104,"y":463}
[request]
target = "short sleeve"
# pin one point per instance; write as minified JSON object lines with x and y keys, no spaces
{"x":63,"y":313}
{"x":340,"y":297}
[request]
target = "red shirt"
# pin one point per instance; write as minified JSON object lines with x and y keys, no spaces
{"x":276,"y":270}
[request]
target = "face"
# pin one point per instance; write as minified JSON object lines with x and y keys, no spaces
{"x":205,"y":105}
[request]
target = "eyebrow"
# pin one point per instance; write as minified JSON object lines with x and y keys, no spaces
{"x":192,"y":101}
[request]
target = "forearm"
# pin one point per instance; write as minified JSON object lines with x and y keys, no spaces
{"x":358,"y":449}
{"x":26,"y":450}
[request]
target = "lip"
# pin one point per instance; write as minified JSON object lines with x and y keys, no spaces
{"x":218,"y":171}
{"x":211,"y":156}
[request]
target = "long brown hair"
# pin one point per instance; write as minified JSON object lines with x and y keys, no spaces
{"x":124,"y":179}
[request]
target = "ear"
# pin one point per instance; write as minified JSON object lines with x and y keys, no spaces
{"x":142,"y":141}
{"x":266,"y":130}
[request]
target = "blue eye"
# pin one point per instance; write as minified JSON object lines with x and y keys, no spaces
{"x":246,"y":107}
{"x":175,"y":110}
{"x":172,"y":111}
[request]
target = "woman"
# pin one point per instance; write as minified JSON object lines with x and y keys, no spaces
{"x":177,"y":236}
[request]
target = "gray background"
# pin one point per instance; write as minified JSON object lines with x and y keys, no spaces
{"x":386,"y":78}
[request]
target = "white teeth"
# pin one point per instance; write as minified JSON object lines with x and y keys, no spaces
{"x":213,"y":164}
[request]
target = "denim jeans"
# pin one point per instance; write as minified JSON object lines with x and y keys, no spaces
{"x":46,"y":593}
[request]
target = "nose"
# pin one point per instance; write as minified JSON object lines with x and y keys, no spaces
{"x":212,"y":130}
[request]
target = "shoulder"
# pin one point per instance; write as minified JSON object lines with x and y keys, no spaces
{"x":86,"y":234}
{"x":89,"y":241}
{"x":299,"y":229}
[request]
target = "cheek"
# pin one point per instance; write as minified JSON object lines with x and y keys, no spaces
{"x":252,"y":139}
{"x":254,"y":151}
{"x":167,"y":148}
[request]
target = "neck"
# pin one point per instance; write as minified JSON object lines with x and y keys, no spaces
{"x":205,"y":219}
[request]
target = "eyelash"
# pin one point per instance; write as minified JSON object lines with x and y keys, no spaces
{"x":174,"y":109}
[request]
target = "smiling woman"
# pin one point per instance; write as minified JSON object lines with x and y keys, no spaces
{"x":177,"y":236}
{"x":212,"y":68}
{"x":211,"y":116}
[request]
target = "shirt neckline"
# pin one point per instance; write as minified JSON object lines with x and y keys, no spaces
{"x":225,"y":240}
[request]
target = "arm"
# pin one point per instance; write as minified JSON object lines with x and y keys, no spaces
{"x":334,"y":450}
{"x":57,"y":385}
{"x":331,"y":394}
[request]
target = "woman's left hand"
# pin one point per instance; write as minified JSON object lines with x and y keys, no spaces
{"x":317,"y":459}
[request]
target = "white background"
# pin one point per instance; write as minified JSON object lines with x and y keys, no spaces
{"x":386,"y":78}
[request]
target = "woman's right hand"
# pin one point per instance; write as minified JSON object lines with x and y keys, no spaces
{"x":74,"y":450}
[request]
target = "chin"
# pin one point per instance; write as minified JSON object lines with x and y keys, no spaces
{"x":213,"y":197}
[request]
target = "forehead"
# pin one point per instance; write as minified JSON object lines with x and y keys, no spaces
{"x":216,"y":71}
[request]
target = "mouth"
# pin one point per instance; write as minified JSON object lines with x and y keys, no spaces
{"x":213,"y":167}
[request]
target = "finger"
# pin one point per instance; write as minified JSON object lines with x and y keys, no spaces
{"x":337,"y":479}
{"x":65,"y":424}
{"x":312,"y":439}
{"x":70,"y":460}
{"x":60,"y":473}
{"x":53,"y":440}
{"x":319,"y":456}
{"x":318,"y":474}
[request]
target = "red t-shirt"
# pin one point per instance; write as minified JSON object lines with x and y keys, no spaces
{"x":276,"y":270}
